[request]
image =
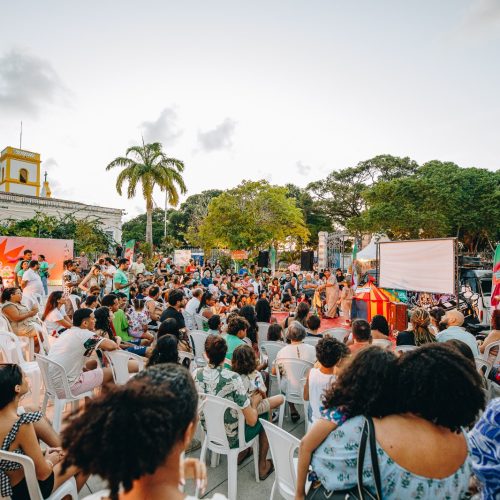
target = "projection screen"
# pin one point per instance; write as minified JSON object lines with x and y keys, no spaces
{"x":418,"y":265}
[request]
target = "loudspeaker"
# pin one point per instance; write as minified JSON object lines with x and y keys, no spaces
{"x":307,"y":260}
{"x":264,"y":259}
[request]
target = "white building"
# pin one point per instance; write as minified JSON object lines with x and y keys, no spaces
{"x":22,"y":194}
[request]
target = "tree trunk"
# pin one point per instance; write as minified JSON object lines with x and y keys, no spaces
{"x":149,"y":223}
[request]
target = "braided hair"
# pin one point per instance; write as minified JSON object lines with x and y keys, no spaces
{"x":420,"y":320}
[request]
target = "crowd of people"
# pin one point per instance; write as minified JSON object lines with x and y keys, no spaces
{"x":433,"y":414}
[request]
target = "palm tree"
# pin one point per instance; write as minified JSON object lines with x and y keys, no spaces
{"x":149,"y":166}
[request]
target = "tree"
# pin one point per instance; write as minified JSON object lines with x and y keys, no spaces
{"x":340,"y":196}
{"x":135,"y":228}
{"x":315,"y":219}
{"x":150,"y":167}
{"x":251,"y":216}
{"x":439,"y":200}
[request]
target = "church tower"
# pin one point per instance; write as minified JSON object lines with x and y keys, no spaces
{"x":19,"y":172}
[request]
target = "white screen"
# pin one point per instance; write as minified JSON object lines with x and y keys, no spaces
{"x":421,"y":266}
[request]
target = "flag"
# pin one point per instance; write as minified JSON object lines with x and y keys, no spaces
{"x":354,"y":274}
{"x":495,"y":295}
{"x":129,"y":250}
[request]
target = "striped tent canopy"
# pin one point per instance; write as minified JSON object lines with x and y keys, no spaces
{"x":377,"y":302}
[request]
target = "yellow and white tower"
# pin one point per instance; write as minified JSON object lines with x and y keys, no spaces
{"x":19,"y":172}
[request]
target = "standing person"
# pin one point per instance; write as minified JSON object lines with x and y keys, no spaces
{"x":332,"y":294}
{"x":109,"y":272}
{"x":43,"y":271}
{"x":120,"y":279}
{"x":31,"y":282}
{"x":137,"y":267}
{"x":84,"y":263}
{"x":70,"y":278}
{"x":92,"y":279}
{"x":27,"y":255}
{"x":345,"y":301}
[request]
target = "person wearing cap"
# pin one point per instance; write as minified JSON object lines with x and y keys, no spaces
{"x":454,"y":320}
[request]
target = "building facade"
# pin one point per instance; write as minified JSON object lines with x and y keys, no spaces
{"x":22,"y":194}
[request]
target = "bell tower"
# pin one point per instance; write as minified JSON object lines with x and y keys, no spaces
{"x":19,"y":172}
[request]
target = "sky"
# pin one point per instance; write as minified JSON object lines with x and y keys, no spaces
{"x":283,"y":90}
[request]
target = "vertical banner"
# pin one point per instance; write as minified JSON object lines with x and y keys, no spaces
{"x":181,"y":257}
{"x":55,"y":252}
{"x":129,"y":251}
{"x":495,"y":294}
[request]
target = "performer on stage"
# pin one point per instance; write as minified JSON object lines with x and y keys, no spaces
{"x":332,"y":294}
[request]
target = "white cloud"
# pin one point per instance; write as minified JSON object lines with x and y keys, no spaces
{"x":221,"y":137}
{"x":481,"y":16}
{"x":164,"y":129}
{"x":28,"y":83}
{"x":302,"y":168}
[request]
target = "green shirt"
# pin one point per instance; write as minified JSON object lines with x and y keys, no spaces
{"x":121,"y":278}
{"x":43,"y":271}
{"x":120,"y":323}
{"x":232,"y":343}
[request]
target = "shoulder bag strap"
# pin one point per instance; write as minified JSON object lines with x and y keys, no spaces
{"x":361,"y":459}
{"x":374,"y":457}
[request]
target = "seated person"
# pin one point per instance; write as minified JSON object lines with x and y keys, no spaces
{"x":313,"y":325}
{"x":379,"y":327}
{"x":218,"y":380}
{"x":236,"y":331}
{"x":21,"y":318}
{"x":214,"y":325}
{"x":19,"y":433}
{"x":275,"y":332}
{"x":361,"y":334}
{"x":454,"y":320}
{"x":170,"y":327}
{"x":164,"y":420}
{"x":73,"y":349}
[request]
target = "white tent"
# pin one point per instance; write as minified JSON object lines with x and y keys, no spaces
{"x":370,"y":251}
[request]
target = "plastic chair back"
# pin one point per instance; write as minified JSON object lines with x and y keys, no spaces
{"x":271,"y":349}
{"x":53,"y":375}
{"x":198,"y":339}
{"x":5,"y":324}
{"x":312,"y":341}
{"x":295,"y":373}
{"x":337,"y":333}
{"x":10,"y":345}
{"x":189,"y":320}
{"x":183,"y":356}
{"x":118,"y":361}
{"x":283,"y":447}
{"x":483,"y":366}
{"x":213,"y":410}
{"x":385,"y":344}
{"x":262,"y":333}
{"x":199,"y":321}
{"x":68,"y":488}
{"x":488,"y":349}
{"x":43,"y":339}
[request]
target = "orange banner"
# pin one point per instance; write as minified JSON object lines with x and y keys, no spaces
{"x":239,"y":255}
{"x":55,"y":252}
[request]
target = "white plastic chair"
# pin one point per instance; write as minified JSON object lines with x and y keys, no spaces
{"x":43,"y":336}
{"x":482,"y":363}
{"x":271,"y":349}
{"x":405,"y":348}
{"x":53,"y":375}
{"x":198,"y":339}
{"x":262,"y":333}
{"x":295,"y":375}
{"x":385,"y":344}
{"x":216,"y":440}
{"x":118,"y":362}
{"x":27,"y":343}
{"x":283,"y":447}
{"x":312,"y":341}
{"x":340,"y":334}
{"x":10,"y":346}
{"x":199,"y":320}
{"x":486,"y":353}
{"x":67,"y":488}
{"x":189,"y":320}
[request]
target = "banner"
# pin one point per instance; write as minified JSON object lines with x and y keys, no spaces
{"x":239,"y":255}
{"x":55,"y":252}
{"x":181,"y":257}
{"x":495,"y":294}
{"x":129,"y":251}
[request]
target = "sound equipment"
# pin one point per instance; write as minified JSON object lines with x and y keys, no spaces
{"x":263,"y":259}
{"x":398,"y":316}
{"x":306,"y":260}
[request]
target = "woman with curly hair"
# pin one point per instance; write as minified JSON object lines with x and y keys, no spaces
{"x":160,"y":404}
{"x":421,"y":332}
{"x":418,"y":412}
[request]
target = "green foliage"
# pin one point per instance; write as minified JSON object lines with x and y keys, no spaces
{"x":87,"y":233}
{"x":339,"y":197}
{"x":135,"y":228}
{"x":251,"y":216}
{"x":439,"y":200}
{"x":150,"y":167}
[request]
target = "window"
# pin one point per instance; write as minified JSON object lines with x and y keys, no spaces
{"x":23,"y":176}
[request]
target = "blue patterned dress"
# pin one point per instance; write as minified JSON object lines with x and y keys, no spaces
{"x":335,"y":460}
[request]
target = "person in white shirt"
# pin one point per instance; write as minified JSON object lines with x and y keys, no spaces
{"x":137,"y":267}
{"x":31,"y":281}
{"x":191,"y":308}
{"x":55,"y":316}
{"x":109,"y":273}
{"x":73,"y":349}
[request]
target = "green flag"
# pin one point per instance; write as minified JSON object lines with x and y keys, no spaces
{"x":129,"y":250}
